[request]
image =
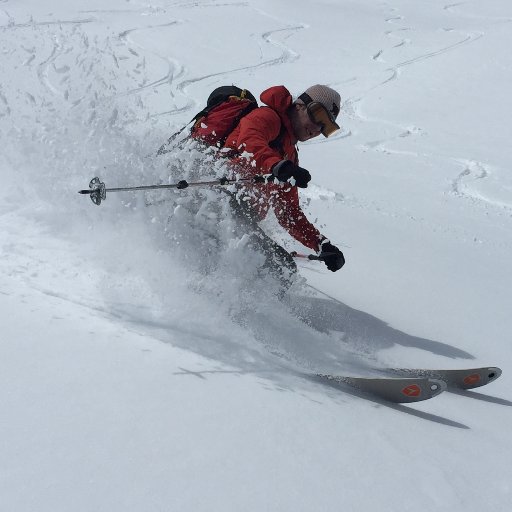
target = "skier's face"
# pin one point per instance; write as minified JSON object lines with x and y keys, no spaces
{"x":303,"y":127}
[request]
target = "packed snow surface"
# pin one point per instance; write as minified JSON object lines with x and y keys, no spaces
{"x":145,"y":365}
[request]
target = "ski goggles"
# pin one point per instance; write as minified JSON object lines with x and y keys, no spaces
{"x":320,"y":115}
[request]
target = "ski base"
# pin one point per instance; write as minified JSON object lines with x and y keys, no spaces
{"x":397,"y":390}
{"x":468,"y":378}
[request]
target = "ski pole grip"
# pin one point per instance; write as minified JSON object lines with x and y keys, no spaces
{"x":320,"y":257}
{"x":323,"y":256}
{"x":295,"y":254}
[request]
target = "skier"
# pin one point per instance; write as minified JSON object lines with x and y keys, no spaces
{"x":264,"y":143}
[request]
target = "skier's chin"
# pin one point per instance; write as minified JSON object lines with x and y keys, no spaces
{"x":305,"y":136}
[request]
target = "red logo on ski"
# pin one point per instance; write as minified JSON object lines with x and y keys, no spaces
{"x":412,"y":390}
{"x":472,"y":379}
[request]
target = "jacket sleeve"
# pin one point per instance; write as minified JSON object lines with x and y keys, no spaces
{"x":289,"y":214}
{"x":257,"y":130}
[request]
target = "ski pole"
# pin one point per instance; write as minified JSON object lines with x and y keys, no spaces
{"x":98,"y":192}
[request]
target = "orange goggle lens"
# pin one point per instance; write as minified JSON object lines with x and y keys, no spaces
{"x":319,"y":115}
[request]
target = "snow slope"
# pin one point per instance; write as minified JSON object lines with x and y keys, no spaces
{"x":142,"y":364}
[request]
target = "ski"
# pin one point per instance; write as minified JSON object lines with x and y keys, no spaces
{"x":397,"y":390}
{"x":468,"y":378}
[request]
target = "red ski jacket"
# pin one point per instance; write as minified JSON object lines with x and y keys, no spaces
{"x":266,"y":134}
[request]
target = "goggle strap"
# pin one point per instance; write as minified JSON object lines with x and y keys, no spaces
{"x":305,"y":98}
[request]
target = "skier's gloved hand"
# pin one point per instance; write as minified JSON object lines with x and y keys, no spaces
{"x":287,"y":171}
{"x":331,"y":255}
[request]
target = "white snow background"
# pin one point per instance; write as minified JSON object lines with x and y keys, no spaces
{"x":143,"y":367}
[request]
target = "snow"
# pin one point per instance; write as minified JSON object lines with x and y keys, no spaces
{"x":143,"y":366}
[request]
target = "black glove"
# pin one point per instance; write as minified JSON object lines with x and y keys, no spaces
{"x":285,"y":170}
{"x":331,"y":255}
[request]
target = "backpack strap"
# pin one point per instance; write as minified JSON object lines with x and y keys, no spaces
{"x":277,"y":143}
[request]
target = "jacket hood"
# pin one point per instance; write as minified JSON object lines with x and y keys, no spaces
{"x":277,"y":98}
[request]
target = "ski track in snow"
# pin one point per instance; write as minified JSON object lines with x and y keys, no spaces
{"x":175,"y":70}
{"x":395,"y":70}
{"x":287,"y":55}
{"x":452,"y":8}
{"x":474,"y":179}
{"x":353,"y":106}
{"x":15,"y":26}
